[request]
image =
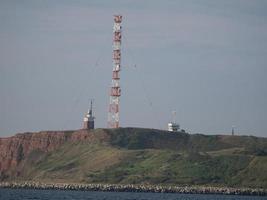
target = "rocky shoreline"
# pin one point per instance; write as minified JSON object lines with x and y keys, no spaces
{"x":134,"y":188}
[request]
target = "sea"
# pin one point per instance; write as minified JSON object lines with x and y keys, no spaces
{"x":31,"y":194}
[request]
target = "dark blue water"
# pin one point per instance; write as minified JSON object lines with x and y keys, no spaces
{"x":23,"y":194}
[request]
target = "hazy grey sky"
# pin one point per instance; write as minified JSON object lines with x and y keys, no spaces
{"x":205,"y":59}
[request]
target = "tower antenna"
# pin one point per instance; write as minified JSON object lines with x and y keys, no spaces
{"x":174,"y":116}
{"x":88,"y":120}
{"x":233,"y":130}
{"x":115,"y":90}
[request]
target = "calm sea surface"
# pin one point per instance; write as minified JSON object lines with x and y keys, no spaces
{"x":23,"y":194}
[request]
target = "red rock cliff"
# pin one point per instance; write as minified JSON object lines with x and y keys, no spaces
{"x":14,"y":150}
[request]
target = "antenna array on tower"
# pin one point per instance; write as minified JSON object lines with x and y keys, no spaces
{"x":115,"y":90}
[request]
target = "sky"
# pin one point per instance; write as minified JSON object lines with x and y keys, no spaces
{"x":206,"y":60}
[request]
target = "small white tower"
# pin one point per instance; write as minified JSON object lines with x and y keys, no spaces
{"x":173,"y":126}
{"x":89,"y":119}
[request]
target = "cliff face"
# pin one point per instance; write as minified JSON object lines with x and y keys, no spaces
{"x":14,"y":151}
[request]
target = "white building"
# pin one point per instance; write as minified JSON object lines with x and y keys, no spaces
{"x":173,"y":126}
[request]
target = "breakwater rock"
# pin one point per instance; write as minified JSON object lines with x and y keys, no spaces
{"x":135,"y":188}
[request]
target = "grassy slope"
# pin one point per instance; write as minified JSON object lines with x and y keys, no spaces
{"x":152,"y":156}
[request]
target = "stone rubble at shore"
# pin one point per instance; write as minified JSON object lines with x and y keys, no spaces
{"x":135,"y":188}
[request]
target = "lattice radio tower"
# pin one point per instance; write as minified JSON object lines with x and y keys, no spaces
{"x":115,"y":90}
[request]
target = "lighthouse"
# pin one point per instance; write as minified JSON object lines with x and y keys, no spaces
{"x":89,"y":119}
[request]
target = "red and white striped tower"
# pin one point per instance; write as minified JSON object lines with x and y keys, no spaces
{"x":115,"y":90}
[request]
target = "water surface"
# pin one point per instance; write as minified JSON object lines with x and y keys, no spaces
{"x":31,"y":194}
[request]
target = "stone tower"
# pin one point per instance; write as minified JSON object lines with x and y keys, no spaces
{"x":89,"y":119}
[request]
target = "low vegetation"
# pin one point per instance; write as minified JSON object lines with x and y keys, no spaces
{"x":147,"y":156}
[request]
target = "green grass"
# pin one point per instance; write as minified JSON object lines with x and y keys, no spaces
{"x":130,"y":155}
